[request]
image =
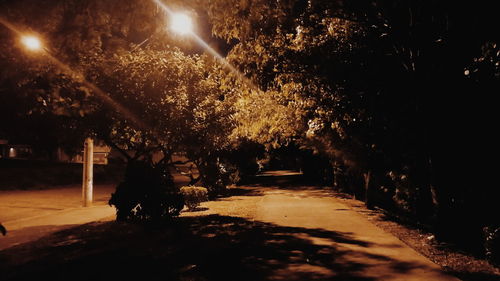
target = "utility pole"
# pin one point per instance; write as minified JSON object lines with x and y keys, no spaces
{"x":88,"y":167}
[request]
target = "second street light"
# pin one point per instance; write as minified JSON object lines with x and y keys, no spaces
{"x":181,"y":23}
{"x":31,"y":43}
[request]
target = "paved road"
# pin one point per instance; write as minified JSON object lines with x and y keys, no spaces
{"x":321,"y":238}
{"x":280,"y":231}
{"x":31,"y":214}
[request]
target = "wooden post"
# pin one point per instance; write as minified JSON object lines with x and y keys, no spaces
{"x":88,"y":166}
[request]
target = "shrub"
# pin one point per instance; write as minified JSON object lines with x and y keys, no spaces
{"x":147,"y":194}
{"x":214,"y":176}
{"x":194,"y":195}
{"x":492,"y":244}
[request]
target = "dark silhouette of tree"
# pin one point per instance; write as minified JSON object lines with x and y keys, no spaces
{"x":379,"y":87}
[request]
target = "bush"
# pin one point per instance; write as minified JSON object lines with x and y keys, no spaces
{"x":147,"y":194}
{"x":214,"y":176}
{"x":194,"y":195}
{"x":492,"y":244}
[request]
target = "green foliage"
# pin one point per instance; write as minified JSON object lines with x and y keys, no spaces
{"x":244,"y":156}
{"x":214,"y":174}
{"x":309,"y":58}
{"x":160,"y":87}
{"x":486,"y":66}
{"x":177,"y":98}
{"x":402,"y":192}
{"x":155,"y":99}
{"x":377,"y":87}
{"x":317,"y":167}
{"x":146,"y":194}
{"x":193,"y":196}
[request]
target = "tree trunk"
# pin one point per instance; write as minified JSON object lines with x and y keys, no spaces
{"x":369,"y":194}
{"x":424,"y":206}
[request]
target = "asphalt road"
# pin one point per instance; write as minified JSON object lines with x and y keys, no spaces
{"x":30,"y":214}
{"x":320,"y":238}
{"x":298,"y":232}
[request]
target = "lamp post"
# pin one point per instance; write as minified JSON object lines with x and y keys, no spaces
{"x":180,"y":23}
{"x":88,"y":172}
{"x":34,"y":44}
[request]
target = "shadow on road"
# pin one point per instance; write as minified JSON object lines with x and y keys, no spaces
{"x":210,"y":247}
{"x":24,"y":235}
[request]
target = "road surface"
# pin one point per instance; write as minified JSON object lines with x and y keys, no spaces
{"x":271,"y":231}
{"x":31,"y":214}
{"x":311,"y":235}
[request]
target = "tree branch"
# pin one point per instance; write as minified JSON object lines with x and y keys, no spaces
{"x":122,"y":151}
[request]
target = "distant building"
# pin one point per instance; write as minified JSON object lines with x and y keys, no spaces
{"x":15,"y":151}
{"x":24,"y":151}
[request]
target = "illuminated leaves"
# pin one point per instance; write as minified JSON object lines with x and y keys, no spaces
{"x":308,"y":57}
{"x":486,"y":67}
{"x":176,"y":96}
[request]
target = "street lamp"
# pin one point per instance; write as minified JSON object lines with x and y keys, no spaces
{"x":31,"y":43}
{"x":181,"y":23}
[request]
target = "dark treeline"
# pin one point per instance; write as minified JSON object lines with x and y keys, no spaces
{"x":397,"y":95}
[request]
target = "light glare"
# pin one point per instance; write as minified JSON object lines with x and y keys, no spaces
{"x":31,"y":43}
{"x":181,"y":23}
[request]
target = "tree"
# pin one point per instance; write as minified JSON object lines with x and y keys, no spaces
{"x":314,"y":63}
{"x":37,"y":88}
{"x":377,"y":85}
{"x":178,"y":98}
{"x":116,"y":78}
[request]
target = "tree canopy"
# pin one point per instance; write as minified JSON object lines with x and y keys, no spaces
{"x":109,"y":71}
{"x":382,"y":87}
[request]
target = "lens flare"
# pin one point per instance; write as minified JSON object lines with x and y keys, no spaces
{"x":181,"y":23}
{"x":31,"y":43}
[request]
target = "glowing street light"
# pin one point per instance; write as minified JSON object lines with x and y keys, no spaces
{"x":31,"y":43}
{"x":181,"y":23}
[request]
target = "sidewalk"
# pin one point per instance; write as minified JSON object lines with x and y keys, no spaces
{"x":29,"y":215}
{"x":262,"y":232}
{"x":318,"y":237}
